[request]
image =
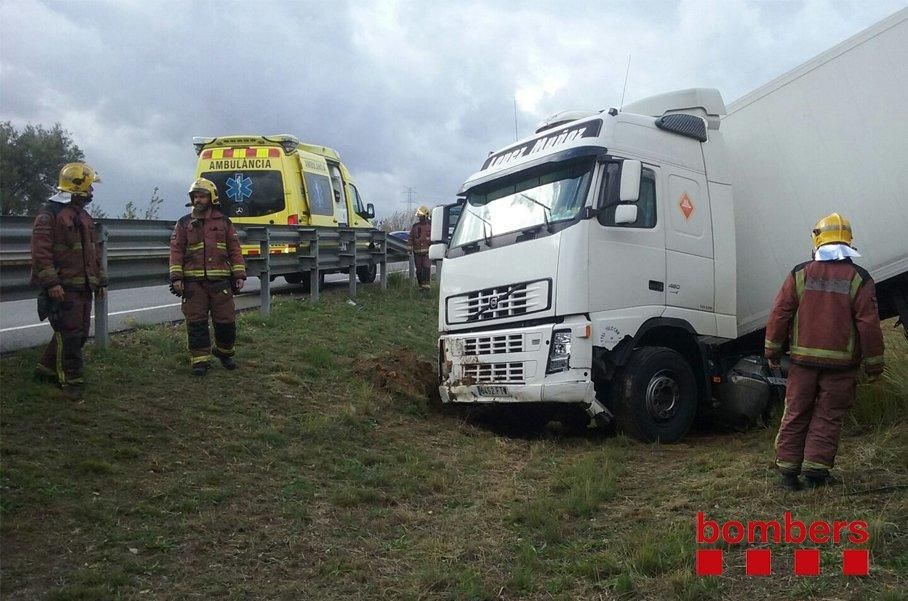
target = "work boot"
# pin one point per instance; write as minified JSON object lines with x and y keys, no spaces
{"x":44,"y":375}
{"x":200,"y":369}
{"x":226,"y":360}
{"x":820,"y":480}
{"x":73,"y":390}
{"x":790,"y":482}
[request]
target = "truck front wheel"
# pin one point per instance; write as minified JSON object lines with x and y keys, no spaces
{"x":656,"y":395}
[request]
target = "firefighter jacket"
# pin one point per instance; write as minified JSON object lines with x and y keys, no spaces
{"x":827,"y":312}
{"x":206,"y":248}
{"x":421,"y":237}
{"x":65,"y":248}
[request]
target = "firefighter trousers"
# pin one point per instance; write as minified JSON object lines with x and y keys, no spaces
{"x":816,"y":402}
{"x":423,"y":269}
{"x":201,"y":298}
{"x":62,"y":358}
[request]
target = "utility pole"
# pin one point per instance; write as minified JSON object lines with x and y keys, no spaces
{"x":408,"y":190}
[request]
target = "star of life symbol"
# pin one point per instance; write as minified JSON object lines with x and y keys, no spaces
{"x":686,"y":206}
{"x":239,"y":187}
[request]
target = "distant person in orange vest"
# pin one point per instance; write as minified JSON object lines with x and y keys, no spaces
{"x":206,"y":268}
{"x":66,"y":264}
{"x":827,"y":313}
{"x":419,"y":242}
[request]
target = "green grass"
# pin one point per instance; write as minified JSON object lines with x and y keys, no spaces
{"x":321,"y":470}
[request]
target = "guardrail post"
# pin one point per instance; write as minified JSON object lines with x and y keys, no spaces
{"x":347,"y":254}
{"x":310,"y":262}
{"x":265,"y":272}
{"x":102,"y":339}
{"x":383,"y":261}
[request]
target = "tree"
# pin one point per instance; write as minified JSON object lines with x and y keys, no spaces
{"x":30,"y":162}
{"x":131,"y":211}
{"x":401,"y":220}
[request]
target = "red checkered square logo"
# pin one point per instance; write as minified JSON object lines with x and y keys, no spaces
{"x":758,"y":562}
{"x":856,"y":562}
{"x":709,"y":562}
{"x":807,"y":562}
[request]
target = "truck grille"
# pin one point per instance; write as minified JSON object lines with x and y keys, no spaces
{"x":494,"y":373}
{"x":499,"y":302}
{"x":493,"y":345}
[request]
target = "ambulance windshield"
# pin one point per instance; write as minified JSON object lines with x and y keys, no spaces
{"x":248,"y":193}
{"x":524,"y":200}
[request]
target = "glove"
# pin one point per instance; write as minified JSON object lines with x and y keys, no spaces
{"x":176,"y":288}
{"x":49,"y":308}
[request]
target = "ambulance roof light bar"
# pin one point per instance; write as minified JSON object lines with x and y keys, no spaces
{"x":288,"y":143}
{"x":199,"y":143}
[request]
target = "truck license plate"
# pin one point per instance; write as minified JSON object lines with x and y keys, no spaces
{"x":493,"y":390}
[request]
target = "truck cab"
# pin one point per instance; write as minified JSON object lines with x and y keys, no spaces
{"x":599,"y":244}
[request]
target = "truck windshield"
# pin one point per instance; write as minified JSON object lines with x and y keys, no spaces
{"x":524,"y":200}
{"x":248,"y":193}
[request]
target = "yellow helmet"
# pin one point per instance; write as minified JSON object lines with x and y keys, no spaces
{"x":77,"y":178}
{"x":832,"y":229}
{"x":204,"y":185}
{"x":422,"y":211}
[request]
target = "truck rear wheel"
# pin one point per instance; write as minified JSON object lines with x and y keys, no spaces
{"x":656,"y":395}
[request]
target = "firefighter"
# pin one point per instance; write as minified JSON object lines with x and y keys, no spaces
{"x":206,"y":269}
{"x":827,"y":313}
{"x":420,"y":239}
{"x":66,"y":265}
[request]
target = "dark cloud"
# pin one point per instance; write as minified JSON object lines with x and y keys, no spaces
{"x":410,"y":93}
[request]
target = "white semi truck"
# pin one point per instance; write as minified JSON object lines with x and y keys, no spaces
{"x":622,"y":264}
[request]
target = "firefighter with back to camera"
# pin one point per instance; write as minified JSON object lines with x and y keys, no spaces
{"x":826,"y":312}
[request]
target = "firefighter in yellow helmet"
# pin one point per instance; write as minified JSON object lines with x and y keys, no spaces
{"x":419,"y":242}
{"x":66,"y":265}
{"x":206,"y":269}
{"x":826,"y":314}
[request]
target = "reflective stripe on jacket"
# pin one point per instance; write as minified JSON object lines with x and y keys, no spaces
{"x":206,"y":247}
{"x":420,"y":237}
{"x":64,"y":248}
{"x":827,"y":312}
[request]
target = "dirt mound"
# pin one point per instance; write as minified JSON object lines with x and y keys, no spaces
{"x":400,"y":372}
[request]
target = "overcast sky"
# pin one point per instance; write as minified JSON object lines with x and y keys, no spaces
{"x":411,"y":93}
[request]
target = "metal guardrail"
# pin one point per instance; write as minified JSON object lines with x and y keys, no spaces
{"x":136,"y":254}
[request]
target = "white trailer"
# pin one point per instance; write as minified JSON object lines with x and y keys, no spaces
{"x":622,"y":264}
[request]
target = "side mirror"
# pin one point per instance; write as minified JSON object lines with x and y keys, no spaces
{"x":370,"y":211}
{"x":625,"y":214}
{"x":437,"y":251}
{"x":438,"y":224}
{"x":630,"y":181}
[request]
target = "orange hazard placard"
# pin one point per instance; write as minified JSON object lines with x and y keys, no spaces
{"x":686,"y":206}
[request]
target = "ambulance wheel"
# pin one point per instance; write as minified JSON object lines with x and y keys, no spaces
{"x":366,"y":273}
{"x":656,"y":395}
{"x":307,"y":284}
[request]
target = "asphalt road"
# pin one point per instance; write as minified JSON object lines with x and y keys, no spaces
{"x":20,"y":328}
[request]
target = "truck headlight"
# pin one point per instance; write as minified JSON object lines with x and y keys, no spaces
{"x":559,"y":352}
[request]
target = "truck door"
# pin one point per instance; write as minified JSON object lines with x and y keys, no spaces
{"x":627,"y":261}
{"x":690,"y":270}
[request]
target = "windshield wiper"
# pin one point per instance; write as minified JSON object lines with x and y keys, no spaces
{"x":545,"y":211}
{"x":488,"y":237}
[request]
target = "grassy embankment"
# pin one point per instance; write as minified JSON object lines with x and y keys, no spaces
{"x":319,"y":470}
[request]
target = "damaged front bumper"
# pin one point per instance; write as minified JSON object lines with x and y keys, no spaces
{"x":514,"y":366}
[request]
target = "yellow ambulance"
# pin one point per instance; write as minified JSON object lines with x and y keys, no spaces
{"x":276,"y":179}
